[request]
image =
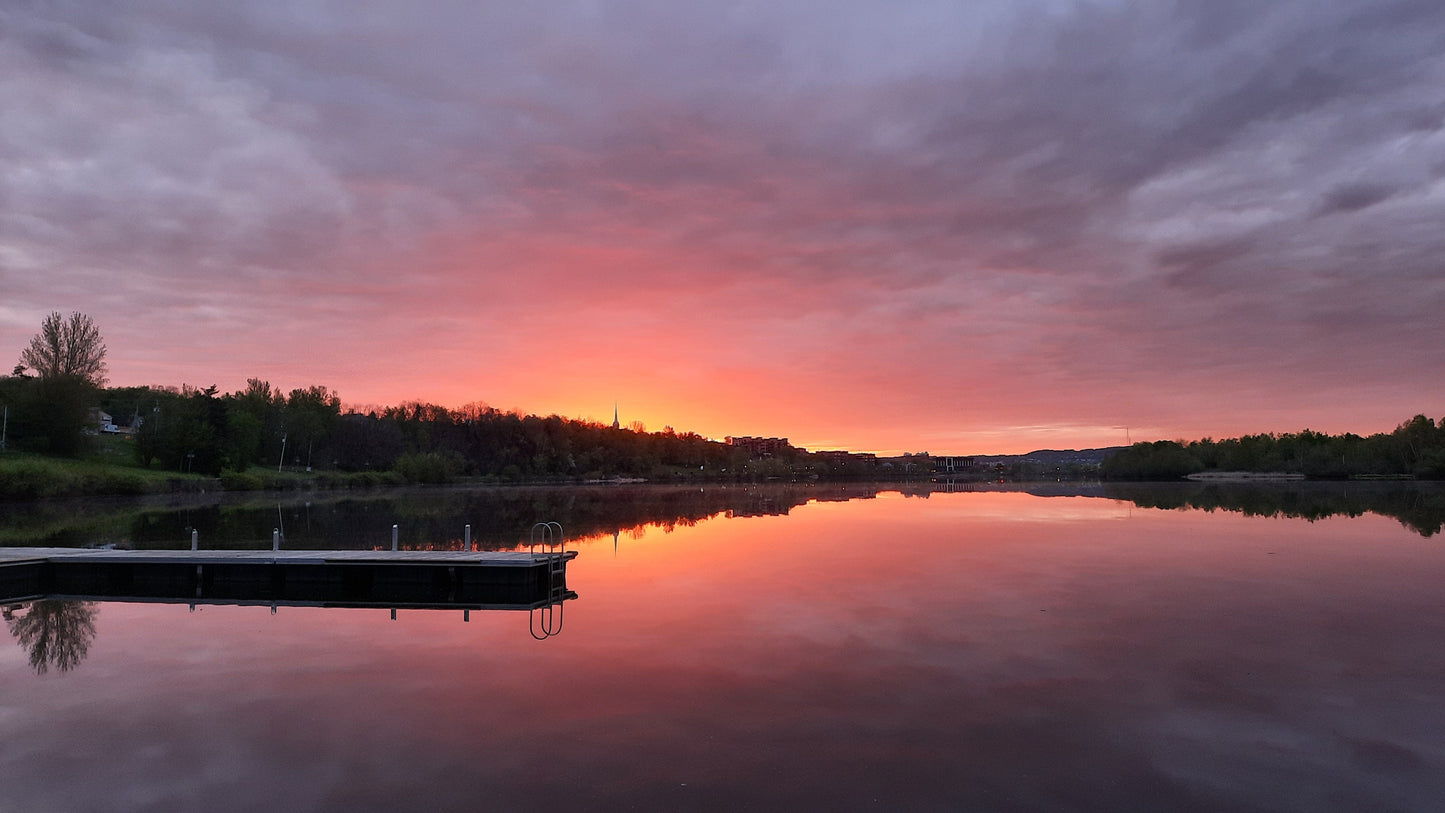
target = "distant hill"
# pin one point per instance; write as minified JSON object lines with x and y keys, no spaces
{"x":1051,"y":457}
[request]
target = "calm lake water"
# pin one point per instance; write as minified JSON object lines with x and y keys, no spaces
{"x":992,"y":650}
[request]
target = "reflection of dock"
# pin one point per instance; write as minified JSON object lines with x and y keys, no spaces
{"x":463,"y":580}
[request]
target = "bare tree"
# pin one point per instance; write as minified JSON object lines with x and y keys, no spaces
{"x":67,"y":346}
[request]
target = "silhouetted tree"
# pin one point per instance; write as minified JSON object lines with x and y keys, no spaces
{"x":67,"y":347}
{"x":310,"y":416}
{"x":364,"y":443}
{"x":1160,"y":460}
{"x":48,"y":415}
{"x":53,"y":408}
{"x":256,"y":417}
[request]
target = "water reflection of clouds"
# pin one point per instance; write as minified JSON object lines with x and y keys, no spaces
{"x":820,"y":660}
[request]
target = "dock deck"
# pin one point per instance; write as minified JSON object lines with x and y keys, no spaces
{"x":354,"y":578}
{"x":471,"y":558}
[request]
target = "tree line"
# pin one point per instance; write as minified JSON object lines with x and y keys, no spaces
{"x":1416,"y":448}
{"x":208,"y":432}
{"x":50,"y":404}
{"x":53,"y":398}
{"x":205,"y":431}
{"x":56,"y":393}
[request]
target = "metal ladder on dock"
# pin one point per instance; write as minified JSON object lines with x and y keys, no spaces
{"x":546,"y":620}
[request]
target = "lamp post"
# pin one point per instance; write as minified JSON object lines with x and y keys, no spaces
{"x":283,"y":453}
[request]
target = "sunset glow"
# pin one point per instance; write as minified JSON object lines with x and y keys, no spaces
{"x":959,"y":228}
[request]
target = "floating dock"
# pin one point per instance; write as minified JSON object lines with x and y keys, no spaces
{"x":465,"y":580}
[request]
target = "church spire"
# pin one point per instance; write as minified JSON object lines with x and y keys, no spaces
{"x":616,"y":424}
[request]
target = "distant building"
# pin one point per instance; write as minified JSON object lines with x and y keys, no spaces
{"x":760,"y":447}
{"x":952,"y":463}
{"x":831,"y":456}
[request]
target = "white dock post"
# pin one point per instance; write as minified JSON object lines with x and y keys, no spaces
{"x":195,"y":539}
{"x":275,"y":539}
{"x":393,"y":537}
{"x":468,"y":541}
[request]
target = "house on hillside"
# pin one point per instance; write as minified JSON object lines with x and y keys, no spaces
{"x":100,"y":421}
{"x":103,"y":422}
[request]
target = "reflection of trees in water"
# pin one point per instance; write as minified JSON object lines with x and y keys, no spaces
{"x":501,"y":516}
{"x":55,"y":633}
{"x":1419,"y":507}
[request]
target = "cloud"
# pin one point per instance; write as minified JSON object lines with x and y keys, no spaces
{"x":1137,"y":204}
{"x":1352,"y":197}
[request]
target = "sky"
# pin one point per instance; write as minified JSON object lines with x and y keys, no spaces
{"x":983,"y":227}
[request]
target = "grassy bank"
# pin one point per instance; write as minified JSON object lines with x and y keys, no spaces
{"x":33,"y":477}
{"x":30,"y":477}
{"x":108,"y":468}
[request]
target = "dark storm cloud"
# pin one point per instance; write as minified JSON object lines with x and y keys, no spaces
{"x":1352,"y":197}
